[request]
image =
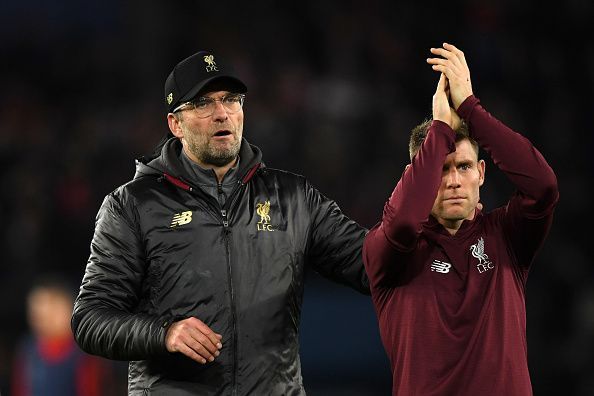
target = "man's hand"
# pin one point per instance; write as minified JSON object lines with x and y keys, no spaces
{"x":194,"y":339}
{"x":441,"y":107}
{"x":454,"y":66}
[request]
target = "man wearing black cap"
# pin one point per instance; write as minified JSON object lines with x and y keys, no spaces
{"x":197,"y":265}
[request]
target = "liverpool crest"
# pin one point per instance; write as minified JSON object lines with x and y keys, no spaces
{"x":211,"y":65}
{"x":478,"y":251}
{"x":263,"y":210}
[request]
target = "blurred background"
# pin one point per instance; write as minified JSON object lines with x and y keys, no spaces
{"x":334,"y":89}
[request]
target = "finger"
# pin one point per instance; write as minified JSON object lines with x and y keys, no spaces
{"x":445,"y":66}
{"x":442,"y":69}
{"x":207,"y":331}
{"x":458,"y":53}
{"x":440,"y":89}
{"x":453,"y":49}
{"x":191,"y":353}
{"x":450,"y":73}
{"x":442,"y":83}
{"x":440,"y":106}
{"x":182,"y":342}
{"x":191,"y":337}
{"x":452,"y":69}
{"x":205,"y":343}
{"x":187,"y":333}
{"x":452,"y":56}
{"x":201,"y":348}
{"x":450,"y":47}
{"x":437,"y":61}
{"x":442,"y":52}
{"x":456,"y":60}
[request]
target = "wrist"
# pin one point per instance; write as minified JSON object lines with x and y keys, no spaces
{"x":462,"y":100}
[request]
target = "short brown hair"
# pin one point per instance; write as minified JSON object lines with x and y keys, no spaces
{"x":419,"y":133}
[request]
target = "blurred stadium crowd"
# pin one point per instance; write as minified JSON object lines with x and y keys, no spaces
{"x":334,"y":89}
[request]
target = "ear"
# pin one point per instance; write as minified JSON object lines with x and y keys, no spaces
{"x":174,"y":126}
{"x":481,"y":169}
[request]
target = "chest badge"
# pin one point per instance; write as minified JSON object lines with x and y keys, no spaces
{"x":441,"y":266}
{"x":263,"y":210}
{"x":181,"y":218}
{"x":478,"y":251}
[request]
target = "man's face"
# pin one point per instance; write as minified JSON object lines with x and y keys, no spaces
{"x":214,"y":140}
{"x":49,"y":312}
{"x":461,"y":178}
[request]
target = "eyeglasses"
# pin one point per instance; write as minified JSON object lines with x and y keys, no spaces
{"x":205,"y":107}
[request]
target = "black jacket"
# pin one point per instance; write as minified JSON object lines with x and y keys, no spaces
{"x":164,"y":250}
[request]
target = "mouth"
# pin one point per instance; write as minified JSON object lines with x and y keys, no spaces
{"x":222,"y":133}
{"x":454,"y":199}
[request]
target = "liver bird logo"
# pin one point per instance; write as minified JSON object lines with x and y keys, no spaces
{"x":263,"y":209}
{"x":210,"y":63}
{"x":478,"y":251}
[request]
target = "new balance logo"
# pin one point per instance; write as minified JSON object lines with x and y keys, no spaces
{"x":181,"y":218}
{"x":441,"y":266}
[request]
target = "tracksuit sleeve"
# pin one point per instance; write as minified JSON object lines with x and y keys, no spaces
{"x":528,"y":215}
{"x":335,"y":242}
{"x":103,"y":321}
{"x":409,"y":205}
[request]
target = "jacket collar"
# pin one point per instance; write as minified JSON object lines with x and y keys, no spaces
{"x":433,"y":227}
{"x":169,"y":162}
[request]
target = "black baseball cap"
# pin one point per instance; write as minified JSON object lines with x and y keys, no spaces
{"x":191,"y":75}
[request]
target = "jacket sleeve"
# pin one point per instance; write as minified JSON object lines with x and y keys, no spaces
{"x":408,"y":207}
{"x":528,"y":215}
{"x":104,"y":322}
{"x":335,"y":242}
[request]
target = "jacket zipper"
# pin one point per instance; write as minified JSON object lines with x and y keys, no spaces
{"x":226,"y":235}
{"x":226,"y":238}
{"x":224,"y":210}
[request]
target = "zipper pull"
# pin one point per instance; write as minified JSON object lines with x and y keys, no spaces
{"x":221,"y":194}
{"x":225,"y":220}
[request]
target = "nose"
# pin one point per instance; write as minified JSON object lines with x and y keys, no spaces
{"x":220,"y":113}
{"x":453,"y":178}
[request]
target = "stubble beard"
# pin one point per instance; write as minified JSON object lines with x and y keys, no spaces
{"x":213,"y":155}
{"x":457,"y":214}
{"x":449,"y":214}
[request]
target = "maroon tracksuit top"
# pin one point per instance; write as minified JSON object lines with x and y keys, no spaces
{"x":451,"y":309}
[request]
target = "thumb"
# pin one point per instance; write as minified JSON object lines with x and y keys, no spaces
{"x":442,"y":83}
{"x":441,"y":106}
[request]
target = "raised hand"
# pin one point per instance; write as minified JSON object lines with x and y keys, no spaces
{"x":441,"y":106}
{"x":453,"y":64}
